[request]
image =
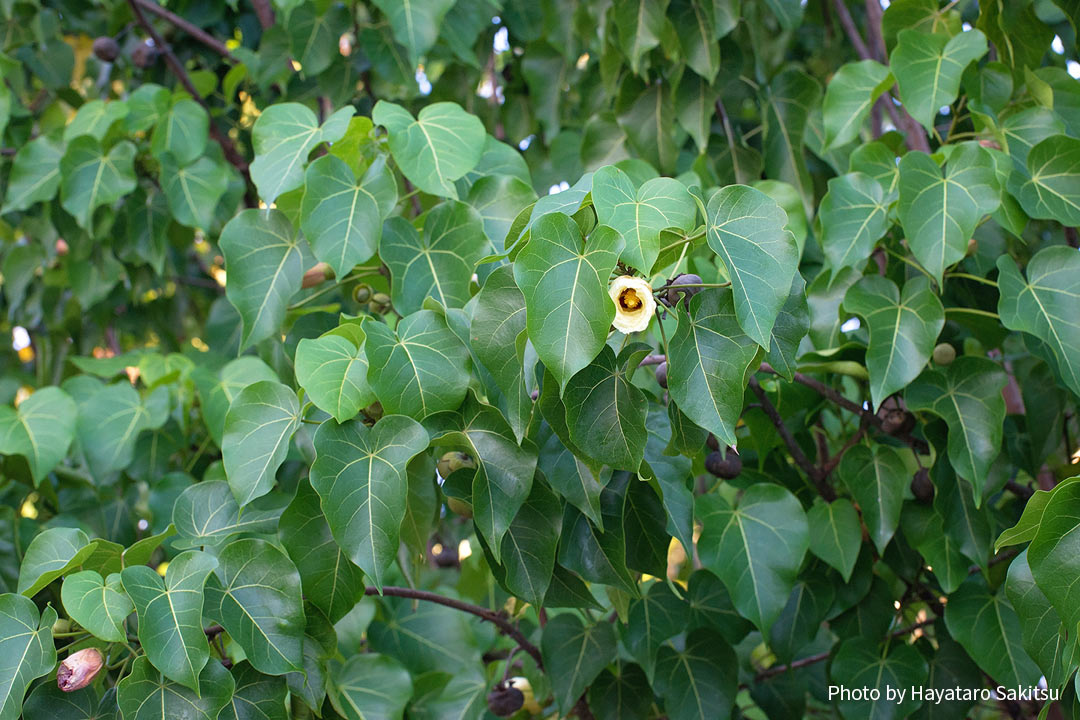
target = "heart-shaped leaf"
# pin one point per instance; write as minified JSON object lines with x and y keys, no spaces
{"x":147,"y":695}
{"x":835,"y":534}
{"x":51,"y":554}
{"x":206,"y":513}
{"x":928,"y":68}
{"x":193,"y":190}
{"x":255,"y":595}
{"x":876,"y":478}
{"x":903,"y":330}
{"x":438,"y":262}
{"x":370,"y":686}
{"x":283,"y":136}
{"x":755,"y":547}
{"x":528,"y":548}
{"x":435,"y":148}
{"x":860,"y":662}
{"x":746,"y":229}
{"x":92,"y":177}
{"x":35,"y":174}
{"x":574,"y":654}
{"x":699,"y":680}
{"x":1046,"y":305}
{"x":967,"y":396}
{"x":26,"y":644}
{"x":605,"y":412}
{"x":1050,"y":186}
{"x":340,"y":217}
{"x":182,"y":133}
{"x":1053,"y":554}
{"x":639,"y":214}
{"x":359,"y":473}
{"x":416,"y":25}
{"x":258,"y":427}
{"x":333,"y":370}
{"x":853,"y":218}
{"x":263,"y":262}
{"x":710,"y":362}
{"x":564,"y":278}
{"x":98,"y":605}
{"x":40,"y":429}
{"x":852,"y":91}
{"x":420,"y":368}
{"x":170,"y":616}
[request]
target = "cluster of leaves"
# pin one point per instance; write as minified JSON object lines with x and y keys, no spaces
{"x":315,"y":407}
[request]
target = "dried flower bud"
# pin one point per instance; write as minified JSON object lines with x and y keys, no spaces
{"x":316,"y":275}
{"x":79,"y":669}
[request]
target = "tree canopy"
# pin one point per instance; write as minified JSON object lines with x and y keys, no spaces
{"x":622,"y":359}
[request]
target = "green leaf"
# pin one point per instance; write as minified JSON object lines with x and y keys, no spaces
{"x":835,"y":534}
{"x":878,"y":161}
{"x":940,"y":214}
{"x":528,"y":548}
{"x":416,"y":24}
{"x":146,"y":106}
{"x":217,"y":390}
{"x":1046,"y":305}
{"x":605,"y":412}
{"x":40,"y":429}
{"x":258,"y":428}
{"x":329,"y":579}
{"x":499,"y":199}
{"x":903,"y":329}
{"x":109,"y":424}
{"x":146,"y":695}
{"x":283,"y":136}
{"x":755,"y":547}
{"x":860,"y":663}
{"x":313,"y":30}
{"x":1053,"y":554}
{"x":599,"y":557}
{"x":1028,"y":128}
{"x":182,"y":133}
{"x":498,"y":337}
{"x":206,"y":513}
{"x":695,"y":23}
{"x":26,"y":644}
{"x":359,"y":473}
{"x":51,"y":554}
{"x":370,"y":687}
{"x":700,"y":680}
{"x":438,"y":263}
{"x":807,"y":606}
{"x":986,"y":625}
{"x":95,"y":118}
{"x":1042,"y":633}
{"x":639,"y":214}
{"x":339,"y":216}
{"x":505,"y":470}
{"x":98,"y":605}
{"x":566,"y":466}
{"x":852,"y":91}
{"x":710,"y":363}
{"x":574,"y":654}
{"x":854,"y":216}
{"x":333,"y":371}
{"x":791,"y":326}
{"x":257,"y":696}
{"x":437,"y":147}
{"x":193,"y":191}
{"x":418,"y":370}
{"x":788,"y":102}
{"x":564,"y":279}
{"x":1049,"y":187}
{"x":640,"y":24}
{"x":92,"y":177}
{"x":263,"y":262}
{"x":711,"y":606}
{"x":48,"y":702}
{"x":928,"y":69}
{"x":1028,"y":524}
{"x":627,"y":696}
{"x":746,"y":229}
{"x":876,"y":478}
{"x":170,"y":617}
{"x":255,"y":595}
{"x":35,"y":174}
{"x":925,"y":528}
{"x":425,"y":637}
{"x":967,"y":396}
{"x":654,"y":617}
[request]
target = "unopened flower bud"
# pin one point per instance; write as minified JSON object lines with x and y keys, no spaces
{"x":79,"y":669}
{"x":316,"y":275}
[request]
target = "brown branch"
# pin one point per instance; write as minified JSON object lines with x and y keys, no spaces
{"x":797,"y":453}
{"x":228,"y":148}
{"x":265,"y":12}
{"x":828,"y":467}
{"x":830,"y":394}
{"x":193,"y":30}
{"x":496,"y":619}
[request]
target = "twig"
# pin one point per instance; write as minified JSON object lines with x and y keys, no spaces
{"x":797,"y":453}
{"x":193,"y":30}
{"x":829,"y":466}
{"x":829,"y":394}
{"x":504,"y":626}
{"x":265,"y":12}
{"x":228,"y":148}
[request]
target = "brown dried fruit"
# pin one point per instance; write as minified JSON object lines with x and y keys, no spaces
{"x":726,"y":466}
{"x":106,"y":49}
{"x":661,"y":374}
{"x":504,"y":700}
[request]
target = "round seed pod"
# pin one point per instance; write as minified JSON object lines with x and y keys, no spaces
{"x":676,"y":293}
{"x":106,"y":49}
{"x":944,"y":354}
{"x":726,"y":466}
{"x":661,"y":374}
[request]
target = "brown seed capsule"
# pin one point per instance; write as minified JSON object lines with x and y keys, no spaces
{"x":712,"y":442}
{"x":921,"y":486}
{"x":897,"y":422}
{"x":106,"y":49}
{"x":504,"y":700}
{"x":79,"y":669}
{"x":661,"y":374}
{"x":145,"y":54}
{"x":675,"y":292}
{"x":727,"y":467}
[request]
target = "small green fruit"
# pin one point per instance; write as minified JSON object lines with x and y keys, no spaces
{"x":459,"y":507}
{"x":362,"y":293}
{"x":944,"y":354}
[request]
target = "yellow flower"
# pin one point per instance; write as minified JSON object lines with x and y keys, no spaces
{"x":634,"y":303}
